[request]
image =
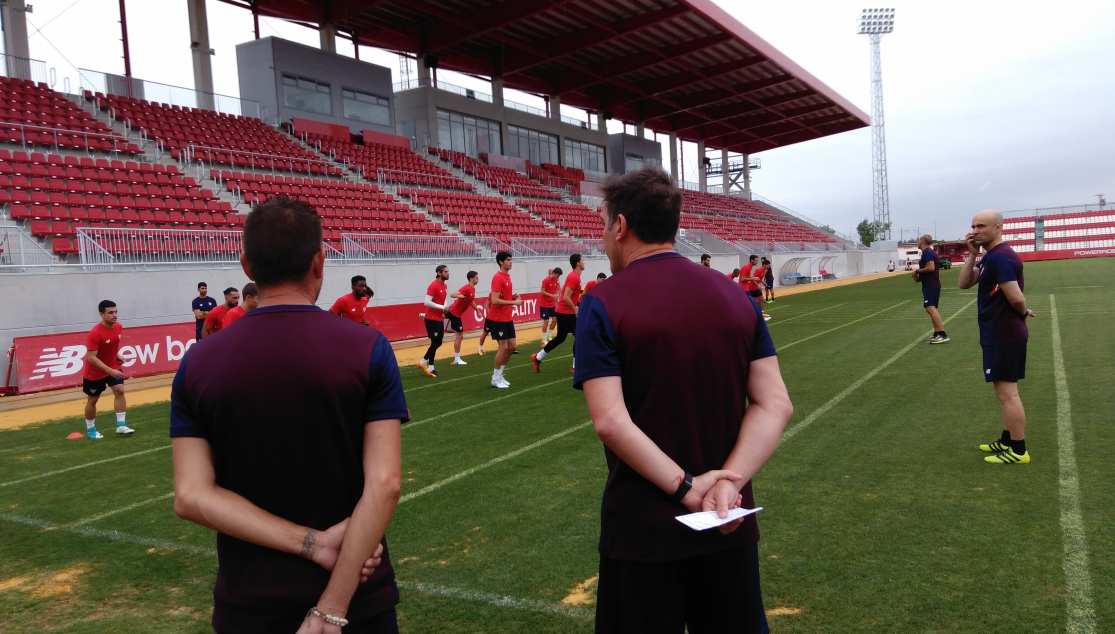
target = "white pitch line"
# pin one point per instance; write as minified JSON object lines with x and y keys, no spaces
{"x":782,"y":321}
{"x":1079,"y":611}
{"x":473,"y":376}
{"x":123,"y":509}
{"x":494,"y":461}
{"x":844,"y":325}
{"x":497,"y":600}
{"x":85,"y":531}
{"x":414,"y":424}
{"x":82,"y":466}
{"x":820,"y":411}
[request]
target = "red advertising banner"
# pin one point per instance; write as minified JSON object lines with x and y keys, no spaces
{"x":51,"y":362}
{"x":1067,"y":254}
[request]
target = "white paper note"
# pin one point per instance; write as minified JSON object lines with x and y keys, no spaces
{"x":711,"y":519}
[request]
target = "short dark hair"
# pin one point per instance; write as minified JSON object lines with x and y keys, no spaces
{"x":574,"y":259}
{"x":650,"y":201}
{"x":471,"y":274}
{"x":556,"y":269}
{"x":440,"y":268}
{"x":250,"y":290}
{"x":281,"y":239}
{"x":753,"y":257}
{"x":230,"y":289}
{"x":358,"y":278}
{"x":601,"y":276}
{"x":735,"y":272}
{"x":705,"y":256}
{"x":501,"y":256}
{"x":200,"y":284}
{"x":105,"y":303}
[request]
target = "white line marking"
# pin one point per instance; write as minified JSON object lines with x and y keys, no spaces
{"x":123,"y":509}
{"x":1064,"y":287}
{"x":494,"y":461}
{"x":820,"y":411}
{"x":85,"y":531}
{"x":473,"y":376}
{"x":497,"y":600}
{"x":1079,"y":612}
{"x":844,"y":325}
{"x":413,"y":424}
{"x":82,"y":466}
{"x":807,"y":314}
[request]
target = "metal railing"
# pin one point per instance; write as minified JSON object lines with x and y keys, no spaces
{"x":245,"y":159}
{"x":105,"y":248}
{"x":1054,"y":211}
{"x":522,"y":107}
{"x":110,"y":84}
{"x":799,"y":217}
{"x":386,"y":176}
{"x":585,"y":125}
{"x":750,"y":246}
{"x":19,"y":251}
{"x":689,"y":185}
{"x":539,"y":248}
{"x":56,"y":138}
{"x":464,"y":92}
{"x":23,"y":68}
{"x":361,"y":247}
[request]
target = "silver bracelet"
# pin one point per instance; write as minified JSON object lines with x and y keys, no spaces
{"x":332,"y":620}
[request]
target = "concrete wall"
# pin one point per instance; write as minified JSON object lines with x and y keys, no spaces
{"x":261,"y":64}
{"x":620,"y":144}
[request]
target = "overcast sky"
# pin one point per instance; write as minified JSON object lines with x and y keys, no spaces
{"x":988,"y":104}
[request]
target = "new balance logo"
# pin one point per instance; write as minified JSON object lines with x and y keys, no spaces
{"x":68,"y":361}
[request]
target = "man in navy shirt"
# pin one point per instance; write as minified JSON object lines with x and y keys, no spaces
{"x":929,"y":274}
{"x":286,"y":442}
{"x":686,"y":422}
{"x":202,"y":305}
{"x":1002,"y":328}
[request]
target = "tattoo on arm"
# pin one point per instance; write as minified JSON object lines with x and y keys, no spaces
{"x":308,"y":543}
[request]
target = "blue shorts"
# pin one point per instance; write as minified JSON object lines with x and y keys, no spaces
{"x":500,"y":330}
{"x":546,"y":312}
{"x":931,"y":296}
{"x":1005,"y":363}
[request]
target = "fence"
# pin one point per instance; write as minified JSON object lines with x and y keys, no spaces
{"x":362,"y":247}
{"x":538,"y":248}
{"x":18,"y":251}
{"x":521,"y":107}
{"x":275,"y":163}
{"x":56,"y":138}
{"x":23,"y":68}
{"x":792,"y":247}
{"x":386,"y":176}
{"x":110,"y":84}
{"x":105,"y":248}
{"x":586,"y":125}
{"x":1053,"y":211}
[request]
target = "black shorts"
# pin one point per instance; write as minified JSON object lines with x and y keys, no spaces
{"x":95,"y":388}
{"x":1005,"y":363}
{"x":756,"y":293}
{"x":546,"y":312}
{"x":715,"y":593}
{"x":930,"y":296}
{"x":500,"y":330}
{"x":435,"y":329}
{"x":770,"y":282}
{"x":455,"y":323}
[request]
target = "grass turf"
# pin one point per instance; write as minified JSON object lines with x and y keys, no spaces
{"x":881,"y":516}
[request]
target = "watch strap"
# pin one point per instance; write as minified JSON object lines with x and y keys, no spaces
{"x":683,"y":488}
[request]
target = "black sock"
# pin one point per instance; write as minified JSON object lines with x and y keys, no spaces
{"x":1019,"y":446}
{"x":943,"y":334}
{"x":1005,"y":438}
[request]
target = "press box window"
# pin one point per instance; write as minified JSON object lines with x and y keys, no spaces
{"x":306,"y":94}
{"x":361,"y":106}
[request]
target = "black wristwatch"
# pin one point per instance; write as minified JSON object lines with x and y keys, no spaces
{"x":683,"y":488}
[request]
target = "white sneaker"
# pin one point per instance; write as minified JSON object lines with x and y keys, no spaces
{"x":503,"y":382}
{"x":500,"y":383}
{"x":124,"y":430}
{"x":456,"y":362}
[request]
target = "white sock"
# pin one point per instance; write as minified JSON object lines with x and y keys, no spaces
{"x":479,"y":348}
{"x":430,"y":367}
{"x":90,"y":423}
{"x":423,"y":362}
{"x":541,"y":354}
{"x":456,"y":356}
{"x":495,"y":374}
{"x":119,"y":418}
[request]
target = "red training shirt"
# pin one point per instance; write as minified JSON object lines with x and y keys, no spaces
{"x":350,"y":308}
{"x":501,"y":283}
{"x":549,"y":285}
{"x":573,"y":281}
{"x":106,"y":343}
{"x":591,"y":283}
{"x":216,"y":318}
{"x":468,"y":296}
{"x":437,"y":291}
{"x":233,"y":315}
{"x":746,"y":272}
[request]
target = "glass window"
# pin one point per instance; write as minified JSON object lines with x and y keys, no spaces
{"x":632,"y":162}
{"x":369,"y":108}
{"x":468,"y":134}
{"x":584,"y":156}
{"x":536,"y":147}
{"x":306,"y":94}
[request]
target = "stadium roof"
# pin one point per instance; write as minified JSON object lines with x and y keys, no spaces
{"x":683,"y":65}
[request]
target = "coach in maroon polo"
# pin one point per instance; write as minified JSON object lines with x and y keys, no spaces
{"x":683,"y":388}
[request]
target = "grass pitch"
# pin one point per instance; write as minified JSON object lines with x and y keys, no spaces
{"x":880,"y":514}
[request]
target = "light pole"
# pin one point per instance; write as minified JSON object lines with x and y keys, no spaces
{"x":875,"y":23}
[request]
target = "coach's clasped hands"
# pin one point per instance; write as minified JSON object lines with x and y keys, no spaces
{"x":327,"y":549}
{"x":715,"y":490}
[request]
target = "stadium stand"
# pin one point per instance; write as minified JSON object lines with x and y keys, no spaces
{"x":505,"y":180}
{"x":388,"y":163}
{"x":479,"y":215}
{"x":578,"y":220}
{"x":1080,"y":230}
{"x":34,"y":114}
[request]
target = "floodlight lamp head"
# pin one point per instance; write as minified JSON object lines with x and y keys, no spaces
{"x":875,"y":22}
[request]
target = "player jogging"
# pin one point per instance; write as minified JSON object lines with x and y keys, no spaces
{"x":102,"y":370}
{"x":435,"y":317}
{"x":499,"y":322}
{"x":1002,"y":328}
{"x":251,"y":300}
{"x":733,"y":275}
{"x":566,"y":311}
{"x":353,"y":306}
{"x":929,"y":274}
{"x":214,"y":321}
{"x":600,"y":277}
{"x":466,"y":298}
{"x":202,"y":304}
{"x":546,"y":304}
{"x":749,"y":279}
{"x":768,"y":281}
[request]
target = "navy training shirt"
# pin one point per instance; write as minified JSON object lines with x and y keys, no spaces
{"x":999,"y":322}
{"x":681,"y":337}
{"x":283,"y":396}
{"x":203,"y":303}
{"x":930,"y":279}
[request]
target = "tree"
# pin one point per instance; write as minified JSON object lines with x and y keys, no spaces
{"x":869,"y":230}
{"x":828,"y":229}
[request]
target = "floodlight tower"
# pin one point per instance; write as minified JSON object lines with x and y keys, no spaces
{"x":875,"y":23}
